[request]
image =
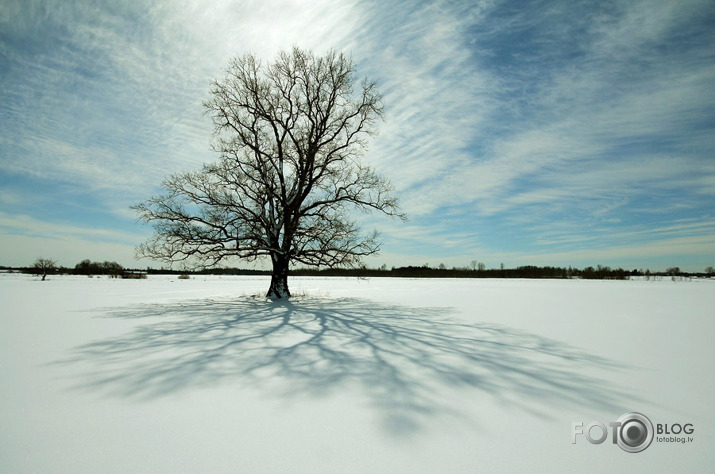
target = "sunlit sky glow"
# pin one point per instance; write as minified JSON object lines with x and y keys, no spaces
{"x":543,"y":132}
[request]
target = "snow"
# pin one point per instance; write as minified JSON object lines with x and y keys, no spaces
{"x":378,"y":375}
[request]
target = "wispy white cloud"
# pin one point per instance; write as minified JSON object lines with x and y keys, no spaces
{"x":580,"y":120}
{"x":21,"y":251}
{"x":31,"y":227}
{"x":25,"y":238}
{"x":120,"y":92}
{"x":435,"y":98}
{"x":673,"y":251}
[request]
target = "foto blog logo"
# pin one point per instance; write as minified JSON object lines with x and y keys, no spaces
{"x":632,"y":432}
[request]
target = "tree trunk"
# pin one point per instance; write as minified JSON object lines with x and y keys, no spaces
{"x":279,"y":278}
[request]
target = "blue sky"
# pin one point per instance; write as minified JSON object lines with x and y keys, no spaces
{"x":517,"y":132}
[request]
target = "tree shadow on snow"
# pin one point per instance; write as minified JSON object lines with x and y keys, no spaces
{"x":406,"y":361}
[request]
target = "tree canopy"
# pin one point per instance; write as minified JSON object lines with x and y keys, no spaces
{"x":290,"y":137}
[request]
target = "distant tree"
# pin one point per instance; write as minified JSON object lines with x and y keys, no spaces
{"x":84,"y":267}
{"x":481,"y":267}
{"x":710,"y":270}
{"x":87,"y":267}
{"x":290,"y":136}
{"x":113,"y":269}
{"x":442,"y":266}
{"x":473,"y":265}
{"x":43,"y":267}
{"x":673,"y":271}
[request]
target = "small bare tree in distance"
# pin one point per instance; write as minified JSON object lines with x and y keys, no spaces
{"x":43,"y":267}
{"x":290,"y":135}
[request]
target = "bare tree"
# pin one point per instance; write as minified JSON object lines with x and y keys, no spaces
{"x":43,"y":267}
{"x":290,"y":136}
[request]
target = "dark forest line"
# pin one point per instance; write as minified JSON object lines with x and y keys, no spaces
{"x":115,"y":270}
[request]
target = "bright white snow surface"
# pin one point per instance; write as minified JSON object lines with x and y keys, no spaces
{"x":379,"y":375}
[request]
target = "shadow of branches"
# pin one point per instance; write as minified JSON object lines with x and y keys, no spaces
{"x":402,"y":358}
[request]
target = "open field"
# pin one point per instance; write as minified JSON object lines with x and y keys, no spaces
{"x":377,"y":375}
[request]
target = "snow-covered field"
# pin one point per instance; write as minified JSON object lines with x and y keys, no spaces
{"x":379,"y":375}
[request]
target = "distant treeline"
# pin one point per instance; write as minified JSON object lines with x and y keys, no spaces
{"x":529,"y":271}
{"x":85,"y":267}
{"x":115,"y":270}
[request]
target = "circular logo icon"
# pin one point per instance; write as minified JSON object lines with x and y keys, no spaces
{"x":635,"y":432}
